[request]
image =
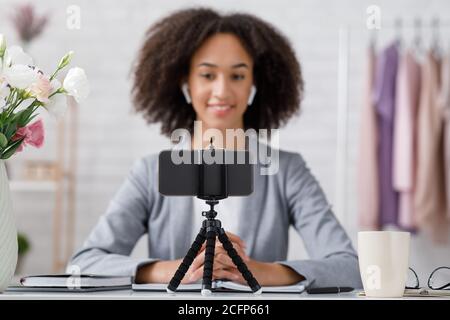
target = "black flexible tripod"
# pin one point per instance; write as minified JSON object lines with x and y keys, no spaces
{"x":210,"y":228}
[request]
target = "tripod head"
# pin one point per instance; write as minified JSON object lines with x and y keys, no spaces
{"x":211,"y":214}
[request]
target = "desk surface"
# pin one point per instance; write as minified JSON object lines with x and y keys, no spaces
{"x":133,"y":295}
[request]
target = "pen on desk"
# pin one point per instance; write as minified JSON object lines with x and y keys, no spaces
{"x":329,"y":290}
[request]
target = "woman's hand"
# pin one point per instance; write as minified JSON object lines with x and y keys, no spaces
{"x":267,"y":274}
{"x":223,"y":266}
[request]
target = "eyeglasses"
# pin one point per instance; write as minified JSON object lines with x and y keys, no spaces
{"x":439,"y":279}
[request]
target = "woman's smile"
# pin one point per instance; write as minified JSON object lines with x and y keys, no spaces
{"x":220,"y":109}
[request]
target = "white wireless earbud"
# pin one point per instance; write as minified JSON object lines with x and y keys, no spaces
{"x":252,"y":95}
{"x":184,"y":89}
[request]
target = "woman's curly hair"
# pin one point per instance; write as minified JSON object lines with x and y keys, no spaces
{"x":164,"y":60}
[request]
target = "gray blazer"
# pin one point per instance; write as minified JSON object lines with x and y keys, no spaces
{"x":292,"y":196}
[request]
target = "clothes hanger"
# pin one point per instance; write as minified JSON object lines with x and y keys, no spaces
{"x":373,"y":40}
{"x":435,"y":48}
{"x":417,"y":42}
{"x":398,"y":25}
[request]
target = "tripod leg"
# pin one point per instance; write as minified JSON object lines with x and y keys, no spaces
{"x":187,"y":261}
{"x":240,"y":264}
{"x":209,"y":261}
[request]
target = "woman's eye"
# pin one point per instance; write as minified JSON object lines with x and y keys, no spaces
{"x":208,"y":76}
{"x":238,"y":77}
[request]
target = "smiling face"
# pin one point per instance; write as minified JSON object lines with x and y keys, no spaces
{"x":220,"y":80}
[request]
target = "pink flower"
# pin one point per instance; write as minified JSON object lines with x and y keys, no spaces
{"x":41,"y":89}
{"x":33,"y":135}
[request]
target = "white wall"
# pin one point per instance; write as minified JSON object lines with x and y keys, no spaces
{"x":111,"y":137}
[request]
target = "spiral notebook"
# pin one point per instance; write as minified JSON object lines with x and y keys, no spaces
{"x":220,"y":286}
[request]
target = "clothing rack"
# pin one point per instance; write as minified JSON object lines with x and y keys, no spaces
{"x":341,"y":181}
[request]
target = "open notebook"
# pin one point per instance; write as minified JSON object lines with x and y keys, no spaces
{"x":221,"y":286}
{"x":73,"y":283}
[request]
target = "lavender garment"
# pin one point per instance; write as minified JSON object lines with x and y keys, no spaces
{"x":384,"y":99}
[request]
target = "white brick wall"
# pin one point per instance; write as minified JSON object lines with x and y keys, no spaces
{"x":111,"y":137}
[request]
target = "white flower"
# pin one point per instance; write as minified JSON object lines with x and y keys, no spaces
{"x":16,"y":55}
{"x":20,"y":76}
{"x":76,"y":84}
{"x":57,"y":105}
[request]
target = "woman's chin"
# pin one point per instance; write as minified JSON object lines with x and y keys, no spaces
{"x":218,"y":124}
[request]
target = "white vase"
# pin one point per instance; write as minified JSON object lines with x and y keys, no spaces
{"x":8,"y":232}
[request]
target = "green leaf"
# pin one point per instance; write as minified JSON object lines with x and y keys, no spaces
{"x":23,"y":243}
{"x":11,"y":130}
{"x":3,"y":141}
{"x":8,"y":152}
{"x":30,"y":118}
{"x":23,"y":116}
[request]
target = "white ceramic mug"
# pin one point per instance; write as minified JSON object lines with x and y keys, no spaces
{"x":383,"y":262}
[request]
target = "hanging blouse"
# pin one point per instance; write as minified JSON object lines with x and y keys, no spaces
{"x":429,"y":196}
{"x":384,"y":91}
{"x":444,"y":101}
{"x":404,"y":149}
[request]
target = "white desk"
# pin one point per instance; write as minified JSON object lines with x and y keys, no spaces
{"x":132,"y":295}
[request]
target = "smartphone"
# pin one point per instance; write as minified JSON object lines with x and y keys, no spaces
{"x":207,"y":174}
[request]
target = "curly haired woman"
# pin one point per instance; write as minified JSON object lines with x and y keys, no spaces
{"x":232,"y":71}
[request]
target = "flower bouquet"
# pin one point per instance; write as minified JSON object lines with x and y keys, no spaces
{"x":24,"y":88}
